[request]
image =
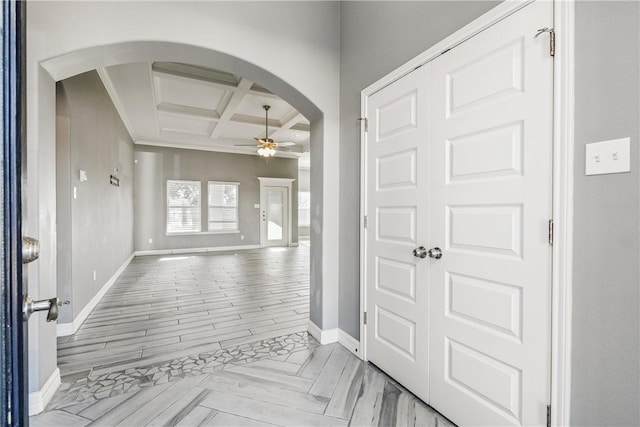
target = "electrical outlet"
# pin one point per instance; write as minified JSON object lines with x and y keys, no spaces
{"x":242,"y":237}
{"x":150,"y":240}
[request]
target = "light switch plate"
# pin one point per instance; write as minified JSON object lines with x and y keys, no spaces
{"x":608,"y":157}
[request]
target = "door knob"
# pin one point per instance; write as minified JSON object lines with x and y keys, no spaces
{"x":30,"y":249}
{"x":420,"y":252}
{"x":50,"y":305}
{"x":435,"y":253}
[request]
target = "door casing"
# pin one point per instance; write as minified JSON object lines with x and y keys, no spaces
{"x":562,"y":199}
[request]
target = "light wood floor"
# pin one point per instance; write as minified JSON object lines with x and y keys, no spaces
{"x":189,"y":304}
{"x":218,"y":339}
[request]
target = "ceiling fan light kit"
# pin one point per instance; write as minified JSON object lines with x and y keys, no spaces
{"x":267,"y":147}
{"x":266,"y":151}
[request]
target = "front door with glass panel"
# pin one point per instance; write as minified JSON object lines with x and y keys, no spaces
{"x":274,"y":216}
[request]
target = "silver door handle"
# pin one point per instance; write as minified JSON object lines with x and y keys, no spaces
{"x":30,"y":249}
{"x":49,"y":305}
{"x":435,"y":253}
{"x":420,"y":252}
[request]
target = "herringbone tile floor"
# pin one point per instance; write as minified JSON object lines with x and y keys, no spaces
{"x":218,"y":339}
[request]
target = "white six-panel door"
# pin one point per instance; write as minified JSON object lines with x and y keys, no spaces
{"x":483,"y":157}
{"x":398,"y":211}
{"x":491,"y":161}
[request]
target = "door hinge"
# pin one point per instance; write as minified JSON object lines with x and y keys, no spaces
{"x":365,"y":221}
{"x":548,"y":415}
{"x":364,"y":318}
{"x":366,"y":123}
{"x":552,"y":39}
{"x":551,"y":232}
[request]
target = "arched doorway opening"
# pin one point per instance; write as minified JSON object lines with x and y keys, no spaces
{"x":41,"y":166}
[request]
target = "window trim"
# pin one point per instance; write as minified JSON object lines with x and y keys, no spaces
{"x":237,"y":229}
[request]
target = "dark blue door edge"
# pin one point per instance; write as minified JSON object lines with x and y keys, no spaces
{"x":14,"y":402}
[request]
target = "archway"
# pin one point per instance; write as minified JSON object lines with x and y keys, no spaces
{"x":40,"y":169}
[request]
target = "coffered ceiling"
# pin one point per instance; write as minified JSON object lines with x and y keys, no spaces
{"x":185,"y":106}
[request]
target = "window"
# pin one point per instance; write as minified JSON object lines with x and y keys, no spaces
{"x":223,"y":206}
{"x":304,"y":208}
{"x":183,"y":207}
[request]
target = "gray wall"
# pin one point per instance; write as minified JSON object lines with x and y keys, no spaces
{"x":315,"y":262}
{"x":95,"y":231}
{"x":606,"y":324}
{"x":304,"y":180}
{"x":63,"y":203}
{"x":304,"y":184}
{"x":155,"y":165}
{"x":376,"y":38}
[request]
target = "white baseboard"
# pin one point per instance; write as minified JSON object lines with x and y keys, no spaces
{"x":326,"y":336}
{"x":195,"y":250}
{"x":64,"y":329}
{"x":38,"y":400}
{"x":350,"y":343}
{"x":329,"y":336}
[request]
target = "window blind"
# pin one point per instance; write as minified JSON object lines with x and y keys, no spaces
{"x":183,"y":206}
{"x":223,"y":206}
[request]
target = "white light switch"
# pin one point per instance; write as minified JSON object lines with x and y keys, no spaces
{"x":83,"y":176}
{"x":257,"y":206}
{"x":608,"y":157}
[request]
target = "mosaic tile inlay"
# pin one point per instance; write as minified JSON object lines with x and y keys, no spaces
{"x":133,"y":379}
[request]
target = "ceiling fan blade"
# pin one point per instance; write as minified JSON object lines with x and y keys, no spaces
{"x":246,"y":145}
{"x":286,"y":144}
{"x":263,"y":140}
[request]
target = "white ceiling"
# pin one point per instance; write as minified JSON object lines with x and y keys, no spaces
{"x":185,"y":106}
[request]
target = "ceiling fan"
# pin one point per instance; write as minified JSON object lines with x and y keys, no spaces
{"x":267,"y":146}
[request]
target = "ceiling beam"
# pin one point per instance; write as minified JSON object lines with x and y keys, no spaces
{"x":232,"y":106}
{"x":190,"y":78}
{"x":187,"y":111}
{"x":293,"y":118}
{"x":257,"y":121}
{"x":263,"y":94}
{"x":115,"y":99}
{"x":219,"y":84}
{"x":221,"y":148}
{"x":302,"y":127}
